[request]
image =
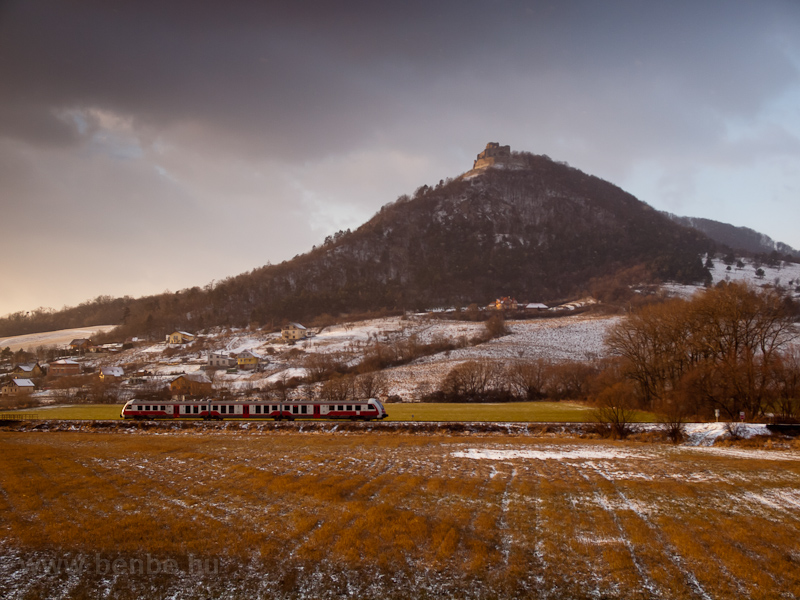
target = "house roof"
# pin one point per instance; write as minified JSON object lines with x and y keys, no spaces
{"x":113,"y":371}
{"x":294,"y":325}
{"x":25,"y":367}
{"x":23,"y":383}
{"x":65,"y":361}
{"x":183,"y":333}
{"x":196,"y":377}
{"x":247,"y":354}
{"x":79,"y":341}
{"x":536,"y":305}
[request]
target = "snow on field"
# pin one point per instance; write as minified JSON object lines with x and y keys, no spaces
{"x":570,"y":520}
{"x":286,"y":373}
{"x":579,"y":338}
{"x":561,"y":453}
{"x":61,"y":337}
{"x":705,"y":434}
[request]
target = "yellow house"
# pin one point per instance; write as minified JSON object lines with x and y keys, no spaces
{"x":247,"y":360}
{"x":293,"y":331}
{"x":180,"y":337}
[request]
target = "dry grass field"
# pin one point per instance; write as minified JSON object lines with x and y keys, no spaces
{"x":291,"y":515}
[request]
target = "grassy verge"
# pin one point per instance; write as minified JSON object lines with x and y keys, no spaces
{"x":531,"y":412}
{"x":80,"y":411}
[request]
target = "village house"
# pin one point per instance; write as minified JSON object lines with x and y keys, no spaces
{"x":15,"y":387}
{"x":180,"y":337}
{"x":504,"y":303}
{"x":27,"y":371}
{"x":63,"y":367}
{"x":247,"y":360}
{"x":80,"y":344}
{"x":190,"y":384}
{"x":111,"y":373}
{"x":220,"y":360}
{"x":293,"y":331}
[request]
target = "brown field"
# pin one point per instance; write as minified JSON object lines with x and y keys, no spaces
{"x":325,"y":515}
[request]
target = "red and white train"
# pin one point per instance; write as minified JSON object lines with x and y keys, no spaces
{"x":256,"y":409}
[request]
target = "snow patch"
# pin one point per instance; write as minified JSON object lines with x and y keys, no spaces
{"x":705,"y":434}
{"x":568,"y":453}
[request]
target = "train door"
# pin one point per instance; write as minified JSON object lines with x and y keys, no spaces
{"x":316,"y":411}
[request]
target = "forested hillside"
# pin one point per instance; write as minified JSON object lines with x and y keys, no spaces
{"x":540,"y":231}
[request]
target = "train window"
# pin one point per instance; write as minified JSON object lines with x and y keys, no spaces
{"x":163,"y":408}
{"x":275,"y":409}
{"x":294,"y":409}
{"x":146,"y":407}
{"x":341,"y":407}
{"x":303,"y":409}
{"x":349,"y":407}
{"x":196,"y":409}
{"x":258,"y":410}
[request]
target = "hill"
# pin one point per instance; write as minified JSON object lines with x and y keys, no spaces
{"x":523,"y":225}
{"x":741,"y":239}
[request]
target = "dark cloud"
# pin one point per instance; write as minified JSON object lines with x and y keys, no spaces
{"x":271,"y":76}
{"x":230,"y":118}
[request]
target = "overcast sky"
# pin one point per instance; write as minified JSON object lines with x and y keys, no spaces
{"x":147,"y":146}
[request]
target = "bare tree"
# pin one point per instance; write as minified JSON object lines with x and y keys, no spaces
{"x":338,"y":389}
{"x":472,"y":379}
{"x":614,"y":409}
{"x":371,"y":385}
{"x":529,"y":379}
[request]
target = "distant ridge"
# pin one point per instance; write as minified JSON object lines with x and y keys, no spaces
{"x":736,"y":238}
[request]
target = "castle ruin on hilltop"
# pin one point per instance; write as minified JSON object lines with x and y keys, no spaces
{"x":493,"y":155}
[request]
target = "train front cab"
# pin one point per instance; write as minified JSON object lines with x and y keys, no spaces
{"x":374,"y":402}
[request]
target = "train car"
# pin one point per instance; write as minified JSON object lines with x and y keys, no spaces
{"x":256,"y":409}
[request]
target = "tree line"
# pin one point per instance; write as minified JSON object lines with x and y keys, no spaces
{"x":730,"y":348}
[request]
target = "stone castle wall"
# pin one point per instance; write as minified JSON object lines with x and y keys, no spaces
{"x":494,"y":154}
